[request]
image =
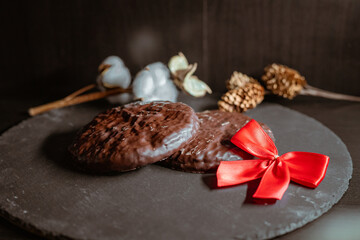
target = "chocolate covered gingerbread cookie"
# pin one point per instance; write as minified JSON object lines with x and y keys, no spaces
{"x":137,"y":134}
{"x":211,"y":144}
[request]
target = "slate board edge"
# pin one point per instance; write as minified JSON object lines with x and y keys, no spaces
{"x":319,"y":212}
{"x":267,"y":235}
{"x":17,"y":221}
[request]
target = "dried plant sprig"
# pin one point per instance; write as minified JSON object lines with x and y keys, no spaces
{"x":80,"y":91}
{"x":114,"y":78}
{"x":244,"y":93}
{"x":313,"y":91}
{"x":242,"y":99}
{"x":74,"y":99}
{"x":182,"y":74}
{"x":239,"y":80}
{"x":288,"y":83}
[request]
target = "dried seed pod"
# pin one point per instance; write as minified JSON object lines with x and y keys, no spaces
{"x":242,"y":99}
{"x":182,"y":74}
{"x":226,"y":107}
{"x":286,"y":82}
{"x":283,"y":81}
{"x":238,"y":80}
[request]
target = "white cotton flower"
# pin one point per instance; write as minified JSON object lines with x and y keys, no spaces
{"x":160,"y":72}
{"x":113,"y":60}
{"x":114,"y":73}
{"x":153,"y":83}
{"x":143,"y":85}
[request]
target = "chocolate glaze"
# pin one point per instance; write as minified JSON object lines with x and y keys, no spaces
{"x":137,"y":134}
{"x":211,"y":144}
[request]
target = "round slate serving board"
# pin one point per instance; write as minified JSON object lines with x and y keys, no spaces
{"x":40,"y":192}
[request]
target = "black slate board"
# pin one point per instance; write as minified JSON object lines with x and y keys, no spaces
{"x":41,"y":193}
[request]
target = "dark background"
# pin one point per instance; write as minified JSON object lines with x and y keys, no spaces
{"x":51,"y":48}
{"x":58,"y":45}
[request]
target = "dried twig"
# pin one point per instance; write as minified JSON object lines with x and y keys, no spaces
{"x":74,"y":99}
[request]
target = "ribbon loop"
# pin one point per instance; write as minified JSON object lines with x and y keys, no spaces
{"x":306,"y":168}
{"x":275,"y":171}
{"x":237,"y":172}
{"x":254,"y":140}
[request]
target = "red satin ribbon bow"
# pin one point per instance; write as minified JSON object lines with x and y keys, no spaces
{"x":275,"y":171}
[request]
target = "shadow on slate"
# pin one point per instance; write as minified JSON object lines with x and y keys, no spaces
{"x":211,"y":182}
{"x":55,"y":148}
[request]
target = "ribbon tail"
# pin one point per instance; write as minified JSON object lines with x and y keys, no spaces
{"x":274,"y":182}
{"x":306,"y":168}
{"x":236,"y":172}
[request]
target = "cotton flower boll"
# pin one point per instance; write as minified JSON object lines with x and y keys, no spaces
{"x":116,"y":76}
{"x":113,"y":73}
{"x":113,"y":60}
{"x":153,"y":83}
{"x":160,"y":73}
{"x":143,"y":85}
{"x":167,"y":92}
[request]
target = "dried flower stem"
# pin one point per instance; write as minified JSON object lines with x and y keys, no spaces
{"x":317,"y":92}
{"x":80,"y":91}
{"x":74,"y":99}
{"x":313,"y":91}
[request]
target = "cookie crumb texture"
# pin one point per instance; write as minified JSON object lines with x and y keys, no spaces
{"x":132,"y":136}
